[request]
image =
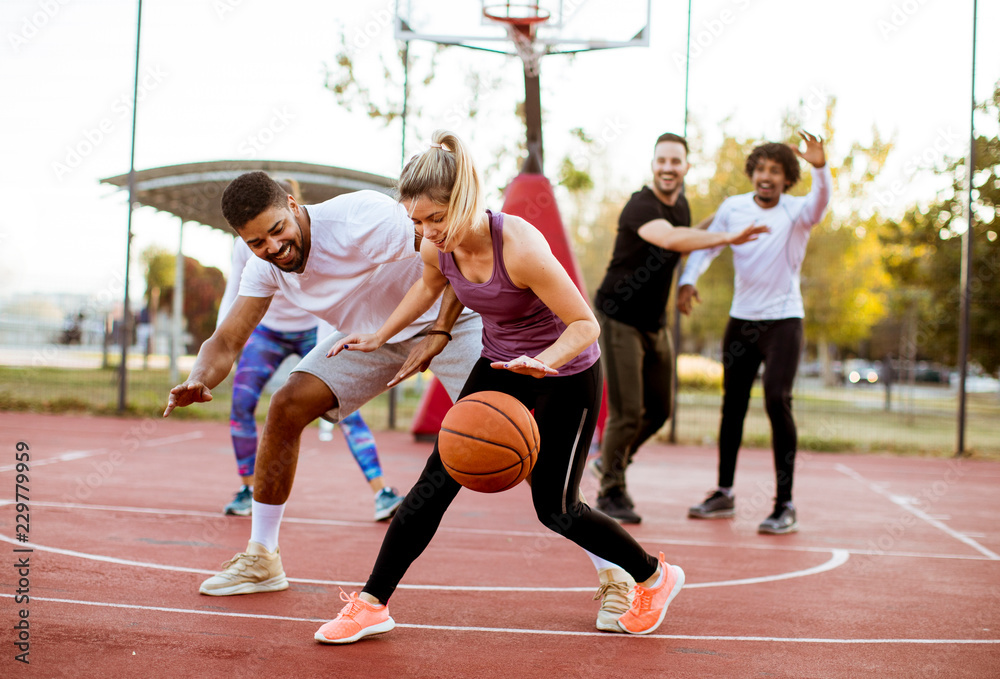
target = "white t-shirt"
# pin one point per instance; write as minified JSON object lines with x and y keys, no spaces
{"x":361,"y":263}
{"x":281,"y":316}
{"x":767,"y":269}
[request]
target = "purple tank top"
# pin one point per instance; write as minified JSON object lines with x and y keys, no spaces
{"x":515,"y":321}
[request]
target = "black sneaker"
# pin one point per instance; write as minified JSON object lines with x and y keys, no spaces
{"x":781,"y":521}
{"x":617,"y":508}
{"x":596,"y":468}
{"x":718,"y":505}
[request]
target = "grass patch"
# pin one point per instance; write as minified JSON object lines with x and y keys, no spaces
{"x":846,"y":419}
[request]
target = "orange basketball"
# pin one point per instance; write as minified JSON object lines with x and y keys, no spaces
{"x":488,"y":441}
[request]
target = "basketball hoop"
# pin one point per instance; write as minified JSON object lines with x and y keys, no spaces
{"x":521,"y":20}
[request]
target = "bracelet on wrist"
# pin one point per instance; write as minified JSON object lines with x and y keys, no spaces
{"x":440,"y":332}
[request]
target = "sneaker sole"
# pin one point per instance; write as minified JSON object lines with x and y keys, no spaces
{"x":794,"y":528}
{"x":388,"y":513}
{"x":237,"y":512}
{"x":678,"y":585}
{"x":608,"y":623}
{"x":718,"y":514}
{"x":380,"y":628}
{"x":275,"y":584}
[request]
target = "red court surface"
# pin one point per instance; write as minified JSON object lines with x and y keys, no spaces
{"x":894,"y":573}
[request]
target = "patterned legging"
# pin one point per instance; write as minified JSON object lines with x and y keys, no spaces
{"x":263,"y":353}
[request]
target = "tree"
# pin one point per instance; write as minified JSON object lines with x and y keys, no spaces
{"x":923,"y":254}
{"x":203,"y":289}
{"x":346,"y":80}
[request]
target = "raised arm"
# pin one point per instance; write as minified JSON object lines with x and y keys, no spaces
{"x":822,"y":185}
{"x":218,"y":353}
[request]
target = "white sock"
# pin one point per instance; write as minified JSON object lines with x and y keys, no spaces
{"x":659,"y":580}
{"x":599,"y":563}
{"x":265,"y":521}
{"x":728,"y":492}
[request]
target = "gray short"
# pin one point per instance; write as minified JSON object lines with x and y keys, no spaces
{"x":356,"y":377}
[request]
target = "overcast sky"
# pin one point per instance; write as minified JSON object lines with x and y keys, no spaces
{"x":225,"y":79}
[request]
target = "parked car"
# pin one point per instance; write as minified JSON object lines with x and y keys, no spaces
{"x":858,"y":371}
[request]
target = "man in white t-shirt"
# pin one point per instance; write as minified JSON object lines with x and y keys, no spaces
{"x":285,"y":331}
{"x":349,"y":262}
{"x":765,"y":320}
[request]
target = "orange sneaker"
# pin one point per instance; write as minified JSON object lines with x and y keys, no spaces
{"x":357,"y":619}
{"x":649,"y":604}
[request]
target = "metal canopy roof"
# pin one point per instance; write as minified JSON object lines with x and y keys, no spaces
{"x":193,"y":191}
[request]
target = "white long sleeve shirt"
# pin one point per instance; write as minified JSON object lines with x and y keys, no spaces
{"x":767,"y":285}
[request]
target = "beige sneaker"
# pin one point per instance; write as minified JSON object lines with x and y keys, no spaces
{"x":614,"y":593}
{"x":255,"y":570}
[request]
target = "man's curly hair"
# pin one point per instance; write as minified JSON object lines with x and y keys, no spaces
{"x":780,"y":153}
{"x":248,"y":195}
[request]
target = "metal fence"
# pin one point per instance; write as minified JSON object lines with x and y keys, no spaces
{"x":45,"y":368}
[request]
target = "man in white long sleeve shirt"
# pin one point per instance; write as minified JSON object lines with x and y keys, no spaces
{"x":765,"y":324}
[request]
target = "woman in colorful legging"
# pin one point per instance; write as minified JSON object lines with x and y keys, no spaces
{"x":540,"y":346}
{"x":284,"y":331}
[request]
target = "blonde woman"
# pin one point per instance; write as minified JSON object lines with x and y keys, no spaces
{"x":539,"y":345}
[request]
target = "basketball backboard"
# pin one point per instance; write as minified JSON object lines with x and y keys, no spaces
{"x":572,"y":25}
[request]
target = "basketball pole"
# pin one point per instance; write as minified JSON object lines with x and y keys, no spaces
{"x":676,"y":334}
{"x":126,"y":324}
{"x":965,"y":284}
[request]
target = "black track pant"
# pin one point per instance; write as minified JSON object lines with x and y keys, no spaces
{"x":566,"y":410}
{"x":745,"y":346}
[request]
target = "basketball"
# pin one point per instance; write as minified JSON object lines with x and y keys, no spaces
{"x":488,"y":441}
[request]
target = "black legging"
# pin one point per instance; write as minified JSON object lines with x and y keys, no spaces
{"x":566,"y":410}
{"x":745,"y":345}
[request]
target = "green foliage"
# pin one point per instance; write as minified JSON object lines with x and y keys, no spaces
{"x":203,"y":289}
{"x":923,"y":253}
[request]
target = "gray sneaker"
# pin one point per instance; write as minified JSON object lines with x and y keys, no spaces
{"x":617,"y":507}
{"x":241,"y":504}
{"x":781,"y":521}
{"x":387,"y":501}
{"x":718,"y":505}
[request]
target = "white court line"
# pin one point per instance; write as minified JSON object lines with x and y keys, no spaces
{"x":505,"y":630}
{"x":80,"y":454}
{"x":770,"y":547}
{"x":174,"y":439}
{"x":838,"y":558}
{"x":64,"y":457}
{"x":906,"y":504}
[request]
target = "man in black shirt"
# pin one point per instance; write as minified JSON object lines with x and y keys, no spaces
{"x":631,"y":306}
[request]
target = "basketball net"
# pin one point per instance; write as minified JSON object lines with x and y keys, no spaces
{"x":520,"y":19}
{"x":524,"y":43}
